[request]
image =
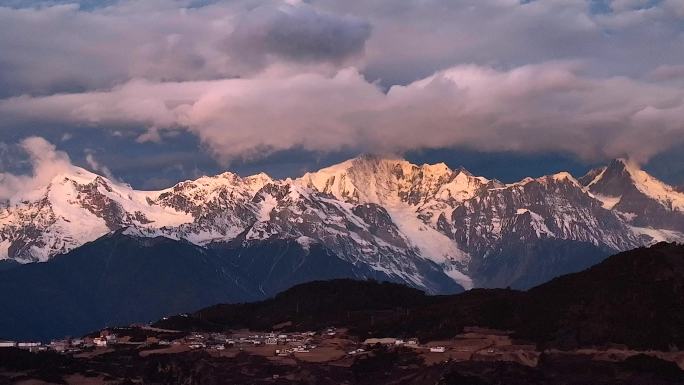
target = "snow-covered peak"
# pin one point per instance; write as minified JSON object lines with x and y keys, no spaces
{"x":382,"y":210}
{"x":393,"y":181}
{"x":414,"y":196}
{"x":622,"y":176}
{"x":207,"y":188}
{"x":564,"y":176}
{"x":654,"y":188}
{"x":259,"y":179}
{"x":71,"y":175}
{"x":560,"y":177}
{"x":76,"y":174}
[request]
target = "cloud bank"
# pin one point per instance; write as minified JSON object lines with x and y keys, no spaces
{"x":64,"y":48}
{"x":550,"y":107}
{"x":251,"y":77}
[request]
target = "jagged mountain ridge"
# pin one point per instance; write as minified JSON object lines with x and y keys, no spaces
{"x":642,"y":200}
{"x":384,"y":213}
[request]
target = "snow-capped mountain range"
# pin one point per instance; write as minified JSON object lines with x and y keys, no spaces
{"x":386,"y":214}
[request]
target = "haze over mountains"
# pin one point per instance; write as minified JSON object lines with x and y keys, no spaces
{"x":428,"y":226}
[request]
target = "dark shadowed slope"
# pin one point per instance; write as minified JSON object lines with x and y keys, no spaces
{"x":120,"y":279}
{"x":278,"y":264}
{"x":115,"y":280}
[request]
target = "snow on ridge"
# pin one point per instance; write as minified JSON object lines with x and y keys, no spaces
{"x":465,"y":281}
{"x":432,"y":244}
{"x":654,"y":188}
{"x":544,"y":179}
{"x":646,"y":184}
{"x":537,"y":222}
{"x":608,"y":202}
{"x":659,"y":235}
{"x":598,"y":177}
{"x":382,"y":181}
{"x":214,"y":208}
{"x":564,"y":175}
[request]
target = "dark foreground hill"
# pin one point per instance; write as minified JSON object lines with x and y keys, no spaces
{"x":634,"y":298}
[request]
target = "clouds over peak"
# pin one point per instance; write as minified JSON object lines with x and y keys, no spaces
{"x":544,"y":107}
{"x":253,"y":77}
{"x":46,"y":162}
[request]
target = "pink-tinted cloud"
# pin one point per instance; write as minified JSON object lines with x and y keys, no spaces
{"x":546,"y":107}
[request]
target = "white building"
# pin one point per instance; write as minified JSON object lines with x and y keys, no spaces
{"x":29,"y":344}
{"x":7,"y":344}
{"x":437,"y":349}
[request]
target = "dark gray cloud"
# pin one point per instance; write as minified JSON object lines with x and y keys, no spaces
{"x":300,"y":34}
{"x":64,"y":47}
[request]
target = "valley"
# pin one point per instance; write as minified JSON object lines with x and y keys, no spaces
{"x":571,"y":330}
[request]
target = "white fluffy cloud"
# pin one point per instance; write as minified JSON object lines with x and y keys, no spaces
{"x":549,"y":107}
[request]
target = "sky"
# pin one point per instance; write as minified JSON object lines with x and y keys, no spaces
{"x":153,"y":92}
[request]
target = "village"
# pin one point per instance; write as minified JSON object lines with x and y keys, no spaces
{"x":332,"y":346}
{"x":327,"y":345}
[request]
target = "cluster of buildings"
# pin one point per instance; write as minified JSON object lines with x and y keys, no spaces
{"x":74,"y":345}
{"x":284,"y":344}
{"x":292,"y":342}
{"x":68,"y":345}
{"x":105,"y":339}
{"x":296,"y":342}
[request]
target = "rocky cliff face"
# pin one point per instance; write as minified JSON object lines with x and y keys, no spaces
{"x":416,"y":224}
